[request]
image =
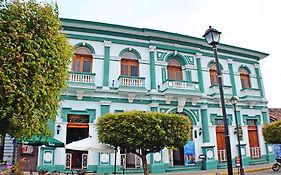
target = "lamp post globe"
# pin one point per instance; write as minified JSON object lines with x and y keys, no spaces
{"x":212,"y":36}
{"x":234,"y":100}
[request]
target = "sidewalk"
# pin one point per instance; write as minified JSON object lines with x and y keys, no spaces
{"x":253,"y":168}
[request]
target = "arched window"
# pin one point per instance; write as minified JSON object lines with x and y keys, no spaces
{"x":174,"y":70}
{"x":245,"y":78}
{"x":129,"y":64}
{"x":213,"y":74}
{"x":82,"y":61}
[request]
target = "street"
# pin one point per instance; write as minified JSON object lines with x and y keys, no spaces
{"x":266,"y":172}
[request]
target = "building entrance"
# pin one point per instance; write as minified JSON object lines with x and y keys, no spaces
{"x":77,"y":129}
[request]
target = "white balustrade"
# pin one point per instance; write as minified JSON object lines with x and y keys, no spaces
{"x":81,"y":78}
{"x":222,"y":157}
{"x":127,"y":81}
{"x":181,"y":85}
{"x":255,"y":152}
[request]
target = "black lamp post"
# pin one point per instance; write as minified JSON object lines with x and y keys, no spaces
{"x":234,"y":100}
{"x":212,"y":37}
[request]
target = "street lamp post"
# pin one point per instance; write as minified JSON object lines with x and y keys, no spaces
{"x":234,"y":100}
{"x":212,"y":37}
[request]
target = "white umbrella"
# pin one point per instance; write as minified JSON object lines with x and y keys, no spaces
{"x":89,"y":143}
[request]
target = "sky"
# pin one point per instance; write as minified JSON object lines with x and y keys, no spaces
{"x":251,"y":24}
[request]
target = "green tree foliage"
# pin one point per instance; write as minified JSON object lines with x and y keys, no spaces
{"x":148,"y":131}
{"x":272,"y":132}
{"x":34,"y":59}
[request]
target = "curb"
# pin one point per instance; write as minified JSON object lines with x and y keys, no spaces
{"x":246,"y":171}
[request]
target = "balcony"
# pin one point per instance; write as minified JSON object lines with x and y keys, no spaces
{"x":81,"y":80}
{"x":250,"y":93}
{"x":131,"y":84}
{"x":215,"y":91}
{"x":180,"y":87}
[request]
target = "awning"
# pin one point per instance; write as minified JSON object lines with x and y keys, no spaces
{"x":40,"y":141}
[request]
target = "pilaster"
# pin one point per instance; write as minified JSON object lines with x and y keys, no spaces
{"x":205,"y":127}
{"x":106,"y":63}
{"x":259,"y":80}
{"x":105,"y":105}
{"x":232,"y":79}
{"x":152,"y":66}
{"x":199,"y":72}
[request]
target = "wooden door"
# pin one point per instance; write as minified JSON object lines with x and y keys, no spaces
{"x":253,"y":136}
{"x":221,"y":144}
{"x":220,"y":137}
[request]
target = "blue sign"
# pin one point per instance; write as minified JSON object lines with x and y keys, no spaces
{"x":189,"y":153}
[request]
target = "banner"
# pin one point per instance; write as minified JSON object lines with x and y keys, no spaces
{"x":189,"y":153}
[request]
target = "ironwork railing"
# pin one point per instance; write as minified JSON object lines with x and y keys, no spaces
{"x":255,"y":152}
{"x":222,"y":155}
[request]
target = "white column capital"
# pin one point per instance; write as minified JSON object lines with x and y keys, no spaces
{"x":107,"y":43}
{"x":264,"y":110}
{"x":198,"y":55}
{"x":105,"y":103}
{"x":152,"y":48}
{"x":230,"y":61}
{"x":155,"y":105}
{"x":257,"y":65}
{"x":204,"y":107}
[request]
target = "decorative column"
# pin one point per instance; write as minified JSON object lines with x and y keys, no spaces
{"x":104,"y":166}
{"x":152,"y":67}
{"x":104,"y":107}
{"x":164,"y":74}
{"x":205,"y":127}
{"x":154,"y":107}
{"x":259,"y":80}
{"x":207,"y":147}
{"x":106,"y":64}
{"x":232,"y":79}
{"x":199,"y":72}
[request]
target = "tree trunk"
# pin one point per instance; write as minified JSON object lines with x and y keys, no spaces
{"x":144,"y":162}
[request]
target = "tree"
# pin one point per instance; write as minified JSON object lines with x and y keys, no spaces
{"x":34,"y":61}
{"x":148,"y":131}
{"x":272,"y":132}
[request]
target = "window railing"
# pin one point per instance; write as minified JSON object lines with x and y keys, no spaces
{"x":222,"y":155}
{"x":131,"y":81}
{"x":179,"y":84}
{"x":255,"y":152}
{"x":81,"y":77}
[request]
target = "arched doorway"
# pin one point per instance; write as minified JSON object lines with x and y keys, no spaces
{"x":184,"y":155}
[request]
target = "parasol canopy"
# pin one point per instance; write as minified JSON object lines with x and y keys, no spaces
{"x":89,"y":143}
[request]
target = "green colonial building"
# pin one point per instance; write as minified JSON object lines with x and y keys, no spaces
{"x":118,"y":68}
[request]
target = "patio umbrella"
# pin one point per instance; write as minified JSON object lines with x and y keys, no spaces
{"x":89,"y":143}
{"x":40,"y":141}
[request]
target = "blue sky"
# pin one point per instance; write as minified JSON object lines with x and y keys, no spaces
{"x":252,"y":24}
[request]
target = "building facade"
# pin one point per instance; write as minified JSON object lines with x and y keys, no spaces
{"x":117,"y":68}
